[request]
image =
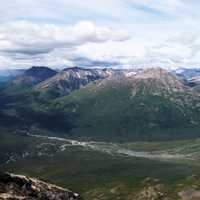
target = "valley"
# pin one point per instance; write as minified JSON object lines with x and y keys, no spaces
{"x":100,"y":168}
{"x":106,"y":134}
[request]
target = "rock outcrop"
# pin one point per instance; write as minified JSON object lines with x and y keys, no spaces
{"x":15,"y":187}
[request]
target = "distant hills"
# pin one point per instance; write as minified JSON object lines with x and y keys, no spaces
{"x":29,"y":78}
{"x":103,"y":104}
{"x":11,"y":72}
{"x":6,"y":75}
{"x":187,"y":72}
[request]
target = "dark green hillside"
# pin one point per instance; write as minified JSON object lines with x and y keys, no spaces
{"x":118,"y":110}
{"x":153,"y":105}
{"x":28,"y":110}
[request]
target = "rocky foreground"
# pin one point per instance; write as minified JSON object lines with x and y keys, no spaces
{"x":15,"y":187}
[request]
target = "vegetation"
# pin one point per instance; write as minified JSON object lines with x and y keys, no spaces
{"x":112,"y":109}
{"x":112,"y":113}
{"x":92,"y":173}
{"x":134,"y":114}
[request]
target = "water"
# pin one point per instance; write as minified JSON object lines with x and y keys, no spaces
{"x":112,"y":148}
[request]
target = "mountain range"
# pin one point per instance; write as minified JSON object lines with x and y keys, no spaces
{"x":103,"y":104}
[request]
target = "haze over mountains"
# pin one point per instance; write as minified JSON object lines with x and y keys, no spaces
{"x":103,"y":104}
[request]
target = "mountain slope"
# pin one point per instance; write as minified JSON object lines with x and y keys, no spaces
{"x":152,"y":104}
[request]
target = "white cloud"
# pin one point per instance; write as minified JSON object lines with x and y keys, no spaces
{"x":29,"y":38}
{"x":65,"y":32}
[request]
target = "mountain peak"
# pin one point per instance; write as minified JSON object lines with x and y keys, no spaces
{"x":29,"y":78}
{"x":40,"y":72}
{"x":158,"y":81}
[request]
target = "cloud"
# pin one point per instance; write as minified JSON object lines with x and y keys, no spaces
{"x":29,"y":38}
{"x":86,"y":62}
{"x":123,"y":33}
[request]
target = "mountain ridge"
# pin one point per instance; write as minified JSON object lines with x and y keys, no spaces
{"x":70,"y":79}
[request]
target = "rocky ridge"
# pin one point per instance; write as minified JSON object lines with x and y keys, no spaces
{"x":15,"y":187}
{"x":71,"y":79}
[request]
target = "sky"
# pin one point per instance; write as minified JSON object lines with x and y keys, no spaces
{"x":100,"y":33}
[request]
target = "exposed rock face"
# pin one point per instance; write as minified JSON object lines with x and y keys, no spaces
{"x":156,"y":192}
{"x":158,"y":81}
{"x":155,"y":81}
{"x":14,"y":187}
{"x":74,"y":78}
